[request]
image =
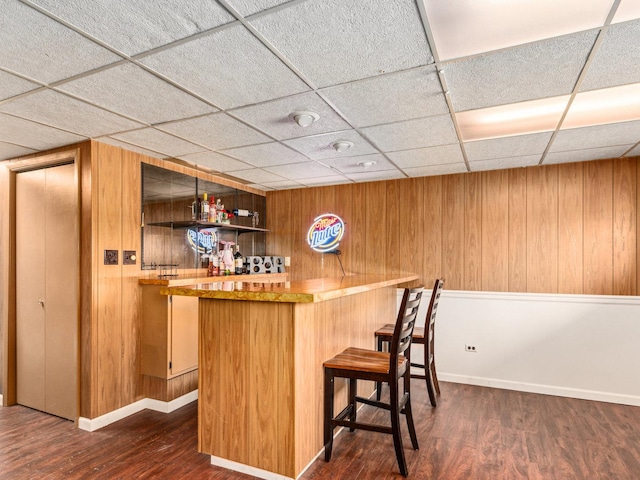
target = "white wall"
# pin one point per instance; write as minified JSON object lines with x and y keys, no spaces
{"x":579,"y":346}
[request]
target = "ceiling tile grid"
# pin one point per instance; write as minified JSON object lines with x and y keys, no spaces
{"x":216,"y":84}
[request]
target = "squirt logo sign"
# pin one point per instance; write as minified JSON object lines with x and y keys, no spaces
{"x":325,"y":233}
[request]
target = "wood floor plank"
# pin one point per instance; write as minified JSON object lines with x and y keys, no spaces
{"x":474,"y":433}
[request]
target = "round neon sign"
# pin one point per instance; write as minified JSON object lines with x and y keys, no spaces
{"x":325,"y":233}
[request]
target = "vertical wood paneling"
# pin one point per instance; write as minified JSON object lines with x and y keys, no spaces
{"x":495,"y":231}
{"x":411,"y":227}
{"x":357,"y":226}
{"x":432,"y":253}
{"x":453,"y":234}
{"x":473,"y":232}
{"x":108,"y":288}
{"x":517,"y":230}
{"x":542,"y":229}
{"x":131,"y":199}
{"x":570,"y":227}
{"x":396,"y":239}
{"x":625,"y":260}
{"x":376,"y":219}
{"x":598,"y":228}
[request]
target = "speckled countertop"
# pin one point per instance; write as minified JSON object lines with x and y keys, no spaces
{"x":300,"y":291}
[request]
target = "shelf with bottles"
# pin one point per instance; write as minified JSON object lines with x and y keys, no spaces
{"x":200,"y":224}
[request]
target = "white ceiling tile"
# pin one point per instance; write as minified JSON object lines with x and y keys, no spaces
{"x":266,"y":154}
{"x":11,"y":85}
{"x":40,"y":48}
{"x":423,"y":132}
{"x":137,"y":26}
{"x":613,"y":134}
{"x":585,"y":154}
{"x":274,"y":117}
{"x":502,"y":163}
{"x":374,"y":176}
{"x":216,"y":131}
{"x":627,"y":10}
{"x":423,"y":157}
{"x":52,"y":108}
{"x":249,"y":7}
{"x":389,"y":98}
{"x":468,"y":27}
{"x":9,"y":150}
{"x":212,"y":68}
{"x":131,"y":147}
{"x":634,"y":152}
{"x":445,"y":169}
{"x":336,"y":41}
{"x":319,"y":181}
{"x":617,"y":61}
{"x":33,"y":135}
{"x":350,"y":164}
{"x":301,"y":170}
{"x":543,"y":69}
{"x":318,"y":147}
{"x":158,"y":141}
{"x":507,"y":147}
{"x":216,"y":161}
{"x":256,"y":175}
{"x":131,"y":91}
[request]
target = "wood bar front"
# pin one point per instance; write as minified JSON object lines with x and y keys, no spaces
{"x":261,"y":349}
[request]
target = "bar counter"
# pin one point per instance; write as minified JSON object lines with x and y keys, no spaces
{"x":261,"y":349}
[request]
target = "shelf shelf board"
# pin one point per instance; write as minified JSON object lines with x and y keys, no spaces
{"x":221,"y":226}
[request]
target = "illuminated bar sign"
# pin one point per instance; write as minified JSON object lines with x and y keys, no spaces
{"x":201,"y":241}
{"x":325,"y":233}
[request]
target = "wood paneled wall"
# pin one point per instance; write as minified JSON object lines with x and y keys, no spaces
{"x":568,"y":228}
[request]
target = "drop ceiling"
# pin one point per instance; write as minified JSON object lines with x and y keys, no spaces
{"x":419,"y":88}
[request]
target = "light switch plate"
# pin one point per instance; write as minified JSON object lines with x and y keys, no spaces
{"x":111,"y":257}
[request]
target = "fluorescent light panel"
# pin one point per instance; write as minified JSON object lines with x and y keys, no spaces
{"x":597,"y":107}
{"x":627,"y":10}
{"x":468,"y":27}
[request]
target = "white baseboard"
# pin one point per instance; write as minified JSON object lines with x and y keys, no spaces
{"x":93,"y":424}
{"x":1,"y":400}
{"x":543,"y":389}
{"x":242,"y":468}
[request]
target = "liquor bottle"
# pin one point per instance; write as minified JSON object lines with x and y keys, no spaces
{"x":204,"y":209}
{"x":239,"y":261}
{"x":238,"y":212}
{"x":212,"y":210}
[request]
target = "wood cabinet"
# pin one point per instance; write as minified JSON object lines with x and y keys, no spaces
{"x":169,"y":334}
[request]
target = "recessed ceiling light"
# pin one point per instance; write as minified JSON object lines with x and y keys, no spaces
{"x":342,"y":145}
{"x":304,"y":118}
{"x":367,"y":163}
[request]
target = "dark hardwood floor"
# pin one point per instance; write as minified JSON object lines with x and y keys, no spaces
{"x":474,"y":433}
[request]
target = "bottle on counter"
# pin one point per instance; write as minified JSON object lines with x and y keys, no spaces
{"x":204,"y":209}
{"x":239,"y":261}
{"x":214,"y":266}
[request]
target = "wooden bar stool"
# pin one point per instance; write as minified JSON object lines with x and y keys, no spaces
{"x":360,"y":364}
{"x":385,"y":334}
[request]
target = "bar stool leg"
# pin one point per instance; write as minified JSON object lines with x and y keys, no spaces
{"x":395,"y":429}
{"x":379,"y":384}
{"x":353,"y":391}
{"x":328,"y":413}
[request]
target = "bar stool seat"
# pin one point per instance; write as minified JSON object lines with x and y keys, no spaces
{"x":391,"y":367}
{"x":420,"y":337}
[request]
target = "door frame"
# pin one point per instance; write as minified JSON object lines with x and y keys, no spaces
{"x":8,"y":263}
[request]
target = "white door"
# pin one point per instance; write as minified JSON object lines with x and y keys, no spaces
{"x":47,"y":290}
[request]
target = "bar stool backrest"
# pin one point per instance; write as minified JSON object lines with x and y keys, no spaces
{"x":402,"y":334}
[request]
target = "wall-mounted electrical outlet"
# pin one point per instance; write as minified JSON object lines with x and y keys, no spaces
{"x":470,"y":348}
{"x":111,"y":257}
{"x":287,"y":261}
{"x":129,"y":257}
